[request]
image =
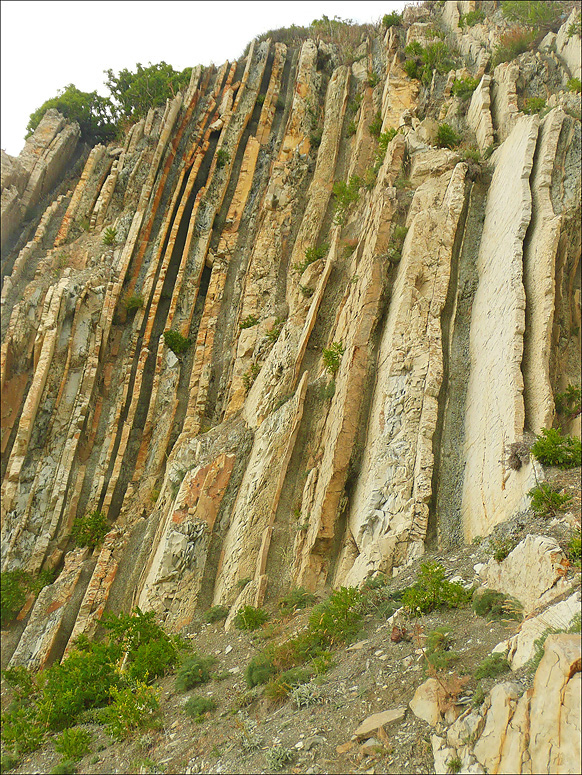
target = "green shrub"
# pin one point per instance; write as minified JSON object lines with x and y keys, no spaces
{"x":133,"y":302}
{"x":385,"y":138}
{"x":455,"y":764}
{"x":332,"y":356}
{"x":471,"y":18}
{"x":12,"y":594}
{"x":438,"y":57}
{"x":337,"y":619}
{"x":294,"y":600}
{"x":411,"y":69}
{"x":447,"y":137}
{"x":375,"y":128}
{"x":90,"y":529}
{"x":148,"y":87}
{"x":574,"y":547}
{"x":250,"y":618}
{"x":73,"y":744}
{"x":222,"y":158}
{"x":569,"y":402}
{"x":197,"y":706}
{"x":553,"y":449}
{"x":66,"y":767}
{"x":373,"y":79}
{"x":472,"y":154}
{"x":248,"y":322}
{"x":393,"y":19}
{"x":433,"y":590}
{"x":312,"y":255}
{"x":177,"y":343}
{"x":345,"y":194}
{"x":511,"y":45}
{"x":540,"y":14}
{"x":414,"y":49}
{"x":8,"y":762}
{"x":546,"y":501}
{"x":479,"y":697}
{"x":534,"y":105}
{"x":22,"y":682}
{"x":281,"y":687}
{"x":575,"y":29}
{"x":194,"y":671}
{"x":21,"y":733}
{"x":370,"y":177}
{"x":216,"y":614}
{"x":496,"y":605}
{"x":277,"y":757}
{"x":259,"y":670}
{"x":133,"y":707}
{"x":152,"y":660}
{"x":492,"y":666}
{"x":110,"y":236}
{"x":351,"y":128}
{"x":500,"y":548}
{"x":574,"y":85}
{"x":250,"y":376}
{"x":464,"y":87}
{"x":380,"y":600}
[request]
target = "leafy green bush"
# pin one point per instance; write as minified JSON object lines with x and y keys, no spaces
{"x":8,"y":762}
{"x":511,"y":45}
{"x":73,"y":744}
{"x":90,"y":529}
{"x":385,"y":138}
{"x":294,"y":600}
{"x":433,"y":590}
{"x":546,"y":501}
{"x":411,"y":69}
{"x":540,"y":14}
{"x":216,"y":614}
{"x":438,"y":652}
{"x":94,"y":114}
{"x":455,"y":764}
{"x":250,"y":618}
{"x":222,"y":158}
{"x":259,"y":670}
{"x":496,"y":605}
{"x":66,"y":767}
{"x":110,"y":236}
{"x":471,"y":18}
{"x":575,"y":28}
{"x":248,"y":322}
{"x":312,"y":254}
{"x":375,"y":128}
{"x":373,"y":79}
{"x":464,"y":87}
{"x":194,"y":671}
{"x":281,"y":687}
{"x":332,"y":356}
{"x":148,"y":87}
{"x":177,"y":343}
{"x":12,"y":594}
{"x":197,"y":706}
{"x":391,"y":19}
{"x":492,"y":666}
{"x":337,"y":619}
{"x":345,"y":194}
{"x":414,"y":48}
{"x":553,"y":449}
{"x":133,"y":707}
{"x":534,"y":105}
{"x":500,"y":548}
{"x":133,"y":302}
{"x":447,"y":137}
{"x":21,"y":734}
{"x":569,"y":402}
{"x":352,"y":127}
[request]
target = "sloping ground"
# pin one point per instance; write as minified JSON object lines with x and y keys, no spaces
{"x":372,"y":675}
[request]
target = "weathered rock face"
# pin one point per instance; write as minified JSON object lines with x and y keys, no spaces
{"x":330,"y":416}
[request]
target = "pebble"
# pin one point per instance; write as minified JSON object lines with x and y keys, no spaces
{"x":228,"y":649}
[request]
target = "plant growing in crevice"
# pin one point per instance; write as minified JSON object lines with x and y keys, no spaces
{"x":250,"y":618}
{"x":332,"y":357}
{"x":222,"y":158}
{"x":433,"y":590}
{"x":177,"y":343}
{"x":471,"y":18}
{"x":90,"y":529}
{"x":511,"y":45}
{"x":447,"y":137}
{"x":553,"y":449}
{"x":248,"y":322}
{"x":273,"y":333}
{"x":133,"y":302}
{"x":534,"y":105}
{"x":110,"y":236}
{"x":568,"y":403}
{"x":547,"y":501}
{"x":500,"y":548}
{"x":312,"y":254}
{"x":464,"y":87}
{"x":250,"y":376}
{"x":375,"y":127}
{"x":492,"y":666}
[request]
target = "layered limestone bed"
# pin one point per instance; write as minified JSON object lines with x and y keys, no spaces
{"x":242,"y":467}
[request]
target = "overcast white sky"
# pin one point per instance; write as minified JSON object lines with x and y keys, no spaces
{"x":49,"y":44}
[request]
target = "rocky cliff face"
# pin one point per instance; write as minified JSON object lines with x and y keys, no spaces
{"x":243,"y":462}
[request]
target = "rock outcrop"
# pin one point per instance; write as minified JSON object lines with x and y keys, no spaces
{"x":358,"y":365}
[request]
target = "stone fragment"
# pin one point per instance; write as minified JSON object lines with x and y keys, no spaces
{"x":425,"y":703}
{"x":378,"y":720}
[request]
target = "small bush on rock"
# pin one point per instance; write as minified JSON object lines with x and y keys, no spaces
{"x":495,"y":605}
{"x":90,"y":529}
{"x":194,"y":671}
{"x":295,"y":599}
{"x":250,"y":618}
{"x":534,"y":105}
{"x":110,"y":236}
{"x":464,"y":87}
{"x":447,"y":137}
{"x":216,"y":614}
{"x":391,"y":19}
{"x":259,"y":670}
{"x":248,"y":322}
{"x":332,"y":356}
{"x":177,"y":343}
{"x":569,"y":403}
{"x":197,"y":706}
{"x":492,"y":667}
{"x":73,"y":744}
{"x":133,"y":302}
{"x":553,"y":449}
{"x":500,"y":548}
{"x":574,"y":85}
{"x":511,"y":45}
{"x":433,"y":590}
{"x":337,"y":619}
{"x":222,"y":158}
{"x":546,"y":501}
{"x":133,"y":707}
{"x":472,"y":18}
{"x":13,"y":594}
